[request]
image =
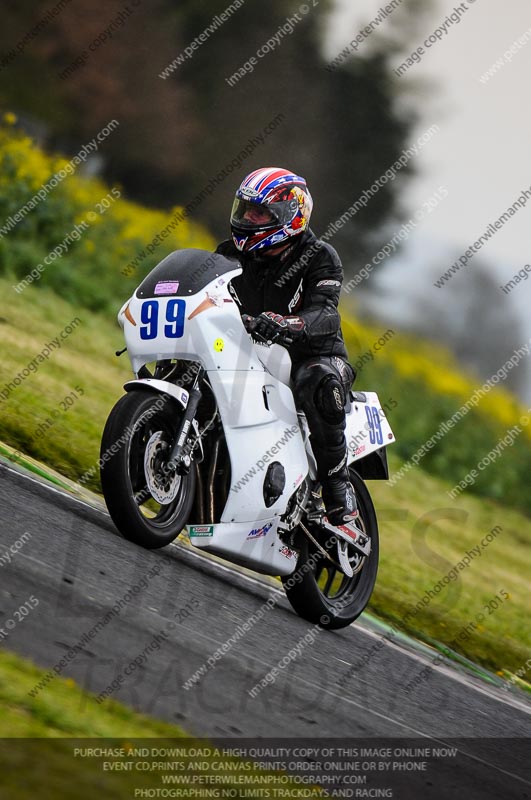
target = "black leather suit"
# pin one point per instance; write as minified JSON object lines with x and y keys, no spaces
{"x":305,"y":281}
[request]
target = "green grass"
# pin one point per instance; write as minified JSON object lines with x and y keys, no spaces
{"x":39,"y":761}
{"x":63,"y":709}
{"x":417,"y":551}
{"x":413,"y":557}
{"x":48,"y":770}
{"x":86,"y":359}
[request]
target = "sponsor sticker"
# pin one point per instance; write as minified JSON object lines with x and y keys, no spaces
{"x":212,"y":299}
{"x":201,"y":530}
{"x":287,"y":551}
{"x":258,"y":532}
{"x":219,"y":344}
{"x":166,"y":287}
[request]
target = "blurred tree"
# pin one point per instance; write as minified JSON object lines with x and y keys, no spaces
{"x":468,"y":315}
{"x":481,"y":332}
{"x":341,"y":129}
{"x":78,"y":90}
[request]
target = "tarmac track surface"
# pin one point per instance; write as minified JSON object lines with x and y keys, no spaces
{"x":78,"y":567}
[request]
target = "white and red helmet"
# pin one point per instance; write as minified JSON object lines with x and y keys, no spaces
{"x":285,"y":201}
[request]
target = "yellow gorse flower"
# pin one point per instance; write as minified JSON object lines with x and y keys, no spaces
{"x":435,"y":367}
{"x":26,"y":167}
{"x":24,"y":163}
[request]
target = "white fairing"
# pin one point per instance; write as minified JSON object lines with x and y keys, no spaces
{"x":276,"y":360}
{"x":251,"y":386}
{"x":367,"y":428}
{"x":256,"y":546}
{"x":256,"y":408}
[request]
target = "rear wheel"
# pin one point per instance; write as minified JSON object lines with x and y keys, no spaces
{"x":318,"y":590}
{"x":149,"y":505}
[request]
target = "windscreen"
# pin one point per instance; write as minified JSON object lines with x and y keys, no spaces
{"x":184,"y":272}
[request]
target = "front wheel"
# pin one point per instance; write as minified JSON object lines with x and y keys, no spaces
{"x":318,"y":590}
{"x":148,"y":505}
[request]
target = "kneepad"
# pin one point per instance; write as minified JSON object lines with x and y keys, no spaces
{"x":329,"y":399}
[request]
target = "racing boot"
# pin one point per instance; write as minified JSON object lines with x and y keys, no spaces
{"x":340,"y":500}
{"x":341,"y":523}
{"x":338,"y":493}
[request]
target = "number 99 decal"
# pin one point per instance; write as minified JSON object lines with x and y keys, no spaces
{"x":375,"y":427}
{"x":149,"y":315}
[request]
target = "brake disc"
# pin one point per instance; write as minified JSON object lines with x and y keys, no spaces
{"x":162,"y":486}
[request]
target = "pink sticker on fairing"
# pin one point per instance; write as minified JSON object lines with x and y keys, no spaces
{"x":166,"y":287}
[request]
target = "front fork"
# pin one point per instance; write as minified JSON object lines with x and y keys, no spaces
{"x":180,"y":459}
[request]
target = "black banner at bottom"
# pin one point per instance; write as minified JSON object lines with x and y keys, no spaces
{"x":405,"y":769}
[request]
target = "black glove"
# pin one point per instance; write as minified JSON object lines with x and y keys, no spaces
{"x":276,"y":328}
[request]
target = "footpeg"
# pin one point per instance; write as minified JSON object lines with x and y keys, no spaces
{"x":351,"y":535}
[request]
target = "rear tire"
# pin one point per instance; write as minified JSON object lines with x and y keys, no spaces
{"x":324,"y":595}
{"x":142,"y":421}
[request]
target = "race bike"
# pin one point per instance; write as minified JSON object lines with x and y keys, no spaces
{"x":208,"y":441}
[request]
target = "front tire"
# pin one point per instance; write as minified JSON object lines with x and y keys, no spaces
{"x":148,"y":507}
{"x":322,"y":593}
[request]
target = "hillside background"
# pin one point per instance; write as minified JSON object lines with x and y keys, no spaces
{"x":171,"y":150}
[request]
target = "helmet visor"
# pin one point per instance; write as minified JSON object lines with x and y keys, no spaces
{"x":254,"y":215}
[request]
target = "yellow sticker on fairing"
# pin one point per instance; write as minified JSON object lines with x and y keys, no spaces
{"x":219,"y":344}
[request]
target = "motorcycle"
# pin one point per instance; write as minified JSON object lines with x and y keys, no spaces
{"x":208,"y":442}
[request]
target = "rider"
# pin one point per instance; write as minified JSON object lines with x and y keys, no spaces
{"x":290,"y":284}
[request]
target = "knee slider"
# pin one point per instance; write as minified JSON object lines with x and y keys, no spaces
{"x":329,"y":399}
